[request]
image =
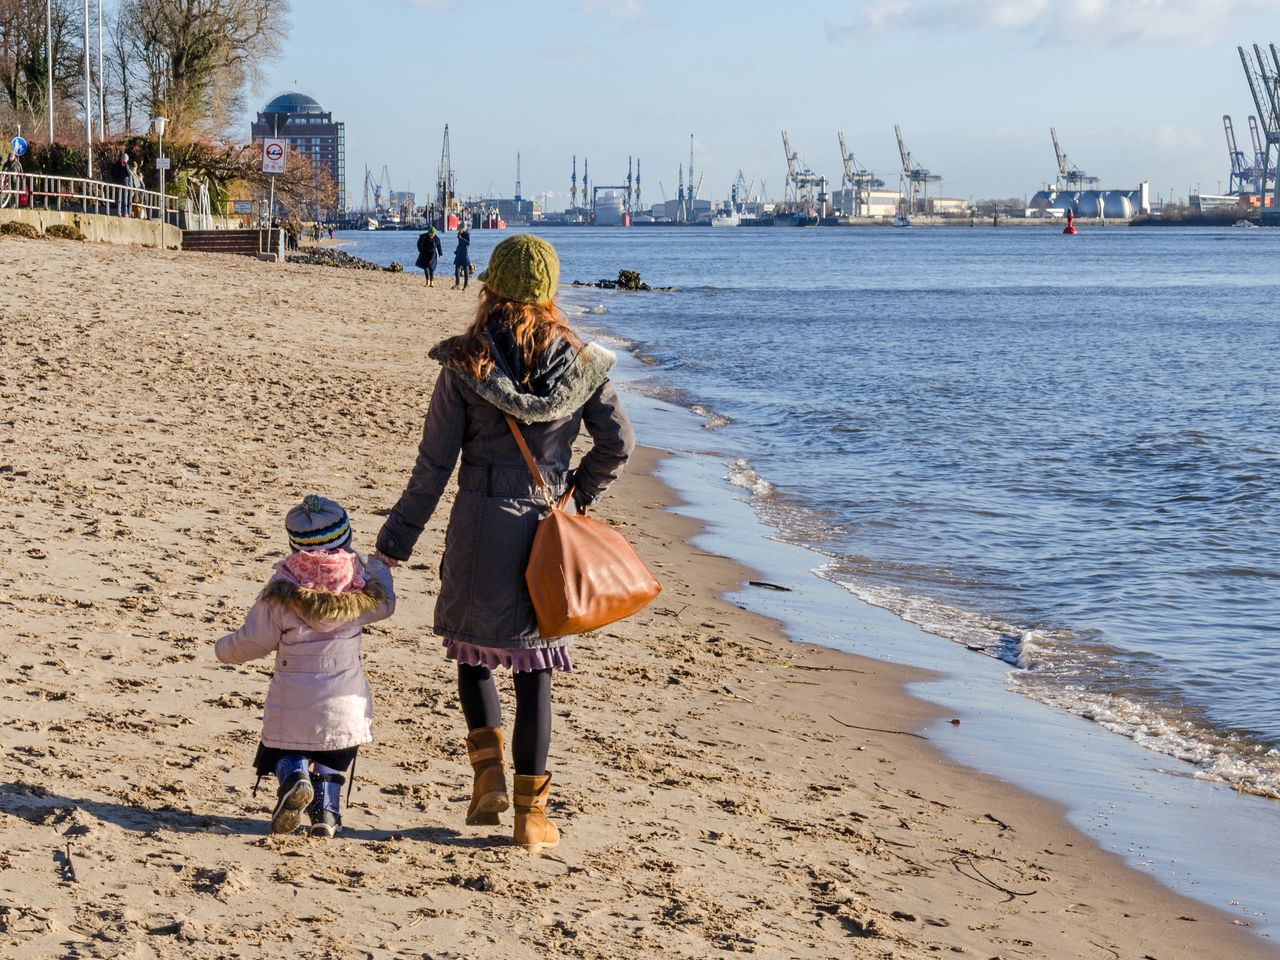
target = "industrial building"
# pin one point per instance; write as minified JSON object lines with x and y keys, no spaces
{"x":1093,"y":204}
{"x":302,"y":123}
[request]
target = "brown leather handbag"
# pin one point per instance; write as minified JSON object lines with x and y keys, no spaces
{"x":582,"y":574}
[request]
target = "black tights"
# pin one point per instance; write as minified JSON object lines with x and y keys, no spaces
{"x":531,"y":736}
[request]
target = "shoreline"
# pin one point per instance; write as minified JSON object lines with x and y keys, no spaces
{"x":709,"y":800}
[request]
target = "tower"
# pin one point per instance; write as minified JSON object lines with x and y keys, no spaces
{"x":681,"y":212}
{"x":573,"y":188}
{"x":638,"y":207}
{"x":630,"y":188}
{"x":691,"y":180}
{"x":586,"y":192}
{"x":517,"y":177}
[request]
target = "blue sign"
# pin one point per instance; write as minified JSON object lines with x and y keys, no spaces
{"x":19,"y":146}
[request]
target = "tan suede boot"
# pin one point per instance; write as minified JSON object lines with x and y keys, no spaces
{"x":489,"y":789}
{"x":533,"y":830}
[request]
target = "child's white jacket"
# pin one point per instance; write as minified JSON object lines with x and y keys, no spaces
{"x":319,"y":698}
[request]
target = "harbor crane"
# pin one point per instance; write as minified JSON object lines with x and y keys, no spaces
{"x":740,"y":193}
{"x":1239,"y":180}
{"x":913,"y":180}
{"x":1262,"y":75}
{"x":1261,"y":170}
{"x":1070,"y":177}
{"x":801,"y":181}
{"x":856,"y":182}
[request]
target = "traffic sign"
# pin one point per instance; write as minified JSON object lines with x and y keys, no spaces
{"x":272,"y":156}
{"x":19,"y":146}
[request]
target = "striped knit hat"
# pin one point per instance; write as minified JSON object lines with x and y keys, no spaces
{"x":318,"y":524}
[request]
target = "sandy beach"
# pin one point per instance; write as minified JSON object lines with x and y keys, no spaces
{"x":720,"y":789}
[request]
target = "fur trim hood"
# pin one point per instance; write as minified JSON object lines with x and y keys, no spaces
{"x":590,"y":369}
{"x":318,"y":607}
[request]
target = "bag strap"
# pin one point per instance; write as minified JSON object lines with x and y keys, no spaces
{"x":532,"y":464}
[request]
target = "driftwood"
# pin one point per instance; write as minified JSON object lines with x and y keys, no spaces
{"x":900,"y":733}
{"x":769,"y":586}
{"x":983,"y":878}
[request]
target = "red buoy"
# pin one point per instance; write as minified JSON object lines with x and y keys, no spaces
{"x":1071,"y":223}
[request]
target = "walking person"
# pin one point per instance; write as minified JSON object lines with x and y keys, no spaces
{"x":462,"y":258}
{"x":429,"y":253}
{"x":319,"y":708}
{"x":518,"y":357}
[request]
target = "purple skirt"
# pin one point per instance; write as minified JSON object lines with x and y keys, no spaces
{"x":517,"y":661}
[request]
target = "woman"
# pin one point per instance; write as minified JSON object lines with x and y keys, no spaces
{"x":462,"y":258}
{"x":518,"y":357}
{"x":429,"y":251}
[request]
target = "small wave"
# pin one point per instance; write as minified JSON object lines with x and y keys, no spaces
{"x":794,"y":521}
{"x":1056,"y":668}
{"x":598,"y":309}
{"x":1249,"y":768}
{"x":714,"y":420}
{"x":742,"y":474}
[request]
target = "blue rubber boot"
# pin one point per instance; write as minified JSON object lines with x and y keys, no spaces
{"x":294,"y":794}
{"x":326,"y":809}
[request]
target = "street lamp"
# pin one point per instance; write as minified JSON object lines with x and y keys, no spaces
{"x":162,"y":164}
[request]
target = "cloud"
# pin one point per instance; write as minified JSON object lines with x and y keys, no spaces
{"x":623,"y":11}
{"x":1101,"y":22}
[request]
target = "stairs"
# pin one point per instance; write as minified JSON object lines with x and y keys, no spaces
{"x":244,"y":243}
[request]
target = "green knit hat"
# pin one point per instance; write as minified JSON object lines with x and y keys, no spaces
{"x":523,"y":268}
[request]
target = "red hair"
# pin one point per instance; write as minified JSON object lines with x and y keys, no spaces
{"x":534,"y":327}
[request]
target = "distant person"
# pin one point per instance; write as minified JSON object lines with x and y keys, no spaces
{"x":429,"y":253}
{"x":462,"y":258}
{"x":11,"y":165}
{"x":136,"y":183}
{"x":120,"y":177}
{"x":310,"y":617}
{"x":330,"y":232}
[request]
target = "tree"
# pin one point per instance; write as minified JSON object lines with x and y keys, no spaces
{"x":24,"y":61}
{"x":197,"y":57}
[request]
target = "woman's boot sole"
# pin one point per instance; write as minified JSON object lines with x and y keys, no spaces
{"x":487,"y":810}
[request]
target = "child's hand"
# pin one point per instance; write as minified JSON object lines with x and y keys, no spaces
{"x":389,"y":561}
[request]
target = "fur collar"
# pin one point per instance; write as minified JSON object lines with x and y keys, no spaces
{"x":321,"y":607}
{"x":583,"y":378}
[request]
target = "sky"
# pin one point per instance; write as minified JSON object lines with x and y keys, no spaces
{"x":1135,"y":88}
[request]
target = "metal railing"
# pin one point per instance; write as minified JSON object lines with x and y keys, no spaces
{"x":42,"y":192}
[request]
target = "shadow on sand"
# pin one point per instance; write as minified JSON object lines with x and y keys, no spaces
{"x":40,"y":806}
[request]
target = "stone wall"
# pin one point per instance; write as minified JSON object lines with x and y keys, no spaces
{"x":126,"y":230}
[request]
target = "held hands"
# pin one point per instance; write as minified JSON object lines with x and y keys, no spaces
{"x":389,"y":561}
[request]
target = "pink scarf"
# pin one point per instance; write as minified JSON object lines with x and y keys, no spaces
{"x":330,"y":571}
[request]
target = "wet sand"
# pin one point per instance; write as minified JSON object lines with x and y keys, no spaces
{"x":719,"y":788}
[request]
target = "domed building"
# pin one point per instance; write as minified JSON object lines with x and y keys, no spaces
{"x":305,"y":125}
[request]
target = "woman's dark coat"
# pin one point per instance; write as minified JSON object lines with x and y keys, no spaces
{"x":462,"y":252}
{"x":483,"y":598}
{"x":429,"y":251}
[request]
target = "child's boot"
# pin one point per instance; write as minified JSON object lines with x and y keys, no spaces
{"x":294,"y":794}
{"x":489,"y":788}
{"x":533,"y":830}
{"x":326,"y":810}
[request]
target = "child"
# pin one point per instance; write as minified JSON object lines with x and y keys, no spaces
{"x":319,"y":708}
